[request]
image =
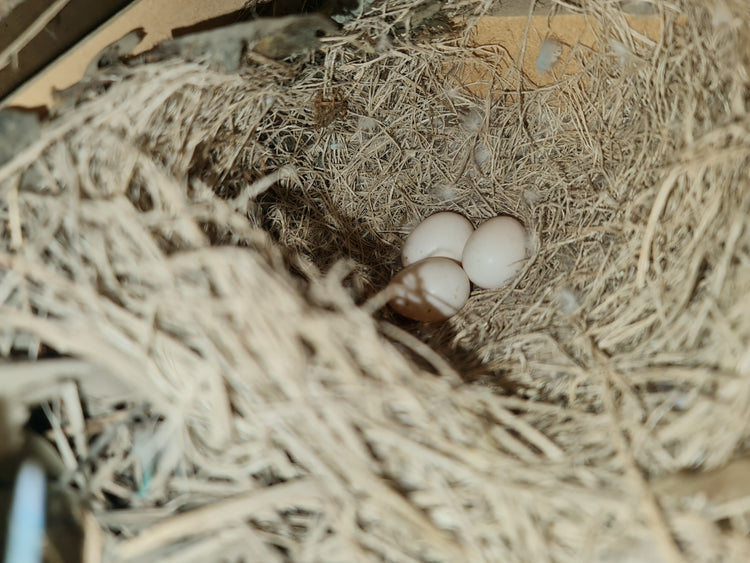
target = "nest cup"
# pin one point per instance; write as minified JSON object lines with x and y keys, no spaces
{"x":202,"y":251}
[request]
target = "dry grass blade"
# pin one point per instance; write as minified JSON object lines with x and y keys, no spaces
{"x":214,"y":517}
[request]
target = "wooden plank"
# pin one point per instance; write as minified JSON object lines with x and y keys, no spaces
{"x":35,"y":32}
{"x":158,"y":19}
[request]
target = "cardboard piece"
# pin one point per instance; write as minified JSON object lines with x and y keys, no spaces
{"x":545,"y":46}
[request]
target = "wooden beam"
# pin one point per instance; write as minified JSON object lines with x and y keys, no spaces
{"x":157,"y":17}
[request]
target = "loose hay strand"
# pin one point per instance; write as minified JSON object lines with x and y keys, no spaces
{"x":214,"y":517}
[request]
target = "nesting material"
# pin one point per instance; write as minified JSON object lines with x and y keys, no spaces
{"x":215,"y":243}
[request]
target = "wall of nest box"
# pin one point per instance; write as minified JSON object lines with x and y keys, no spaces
{"x":513,"y":29}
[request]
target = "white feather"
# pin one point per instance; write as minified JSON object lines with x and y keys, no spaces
{"x":549,"y":53}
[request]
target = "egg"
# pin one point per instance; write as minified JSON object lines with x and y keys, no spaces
{"x":441,"y":235}
{"x":430,"y":290}
{"x":495,"y":252}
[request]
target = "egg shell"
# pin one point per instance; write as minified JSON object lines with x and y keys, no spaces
{"x":495,"y":252}
{"x":430,"y":290}
{"x":441,"y":235}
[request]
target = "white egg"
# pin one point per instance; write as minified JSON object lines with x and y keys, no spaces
{"x":441,"y":235}
{"x":495,"y":252}
{"x":432,"y":289}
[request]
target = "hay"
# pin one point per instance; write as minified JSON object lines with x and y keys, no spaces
{"x":269,"y":416}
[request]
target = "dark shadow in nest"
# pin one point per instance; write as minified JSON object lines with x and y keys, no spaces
{"x":278,"y":8}
{"x":274,"y":9}
{"x":338,"y":236}
{"x":465,"y":358}
{"x":331,"y":236}
{"x":310,"y":225}
{"x":307,"y":221}
{"x":301,"y":218}
{"x":439,"y":336}
{"x":237,"y":16}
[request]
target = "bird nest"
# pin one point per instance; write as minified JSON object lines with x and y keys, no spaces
{"x":191,"y":266}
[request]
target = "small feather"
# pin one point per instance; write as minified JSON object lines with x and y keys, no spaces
{"x":549,"y":54}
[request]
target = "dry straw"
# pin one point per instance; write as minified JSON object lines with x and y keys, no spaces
{"x":209,"y":244}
